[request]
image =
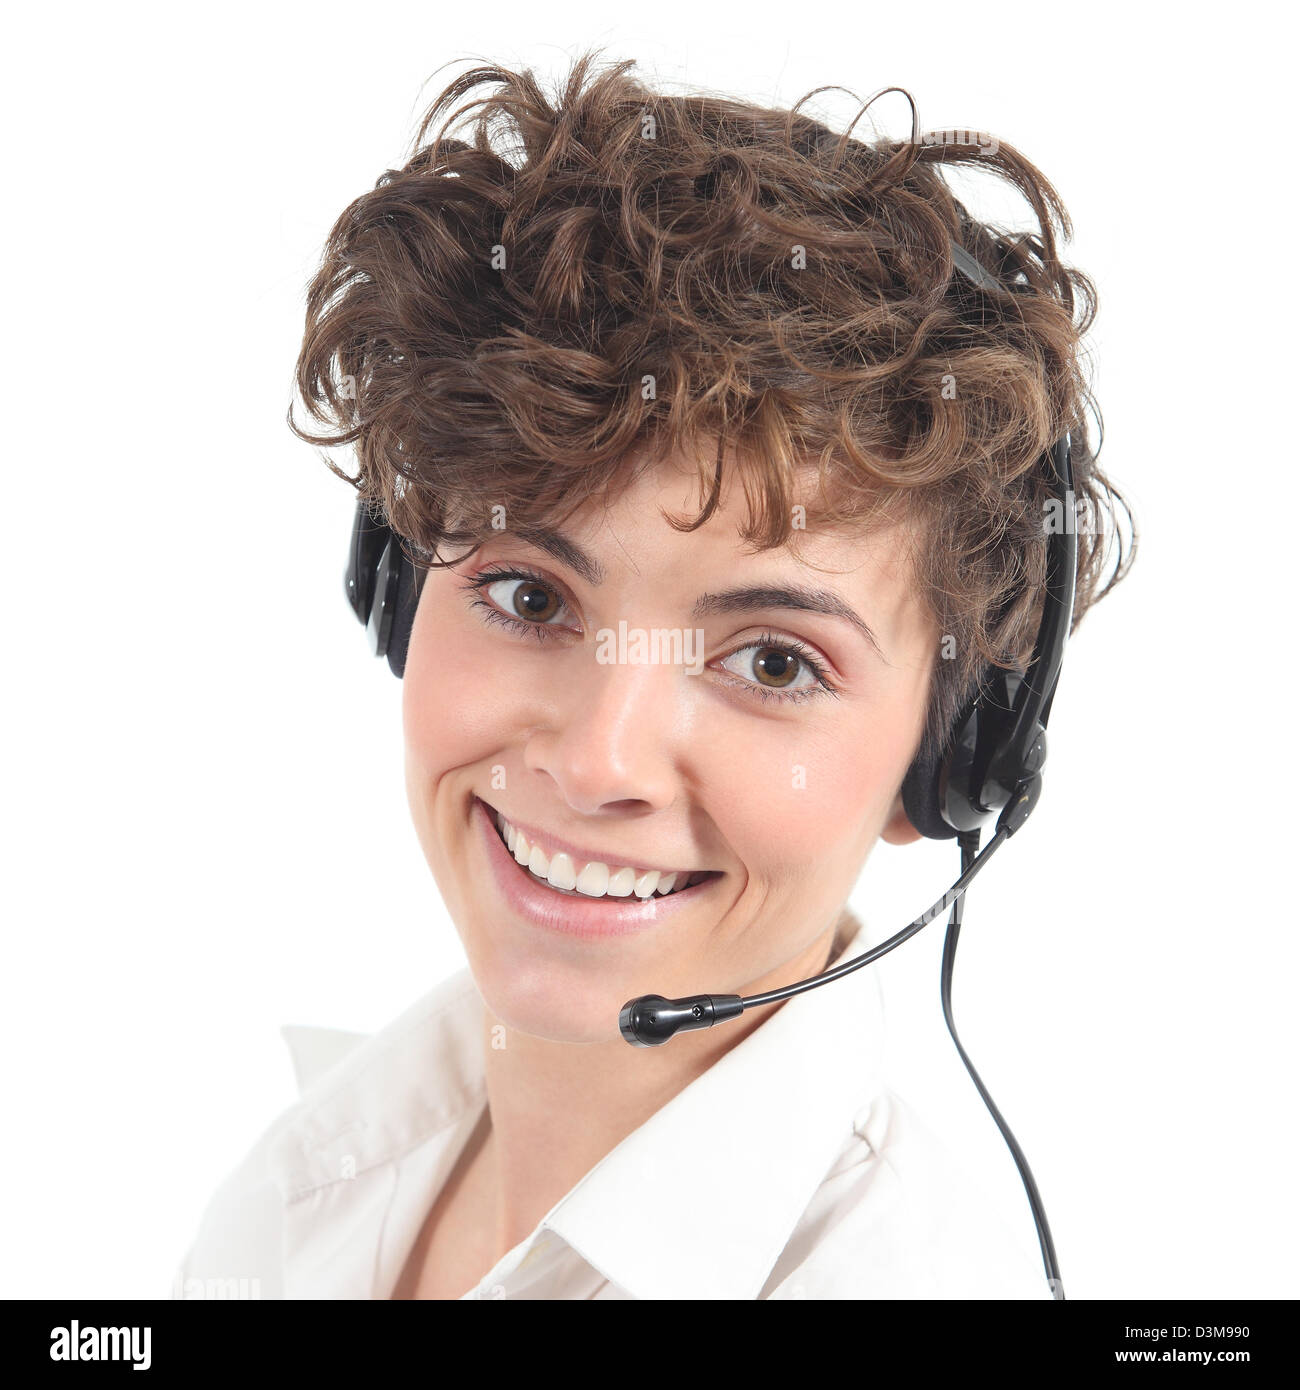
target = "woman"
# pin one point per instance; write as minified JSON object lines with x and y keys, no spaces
{"x":722,"y":491}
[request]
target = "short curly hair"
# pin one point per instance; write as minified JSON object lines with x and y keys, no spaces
{"x":619,"y":274}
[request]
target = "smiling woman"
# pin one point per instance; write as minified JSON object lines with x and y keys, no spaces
{"x":607,"y":769}
{"x":721,"y":493}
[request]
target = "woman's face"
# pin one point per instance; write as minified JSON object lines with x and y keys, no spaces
{"x":706,"y":743}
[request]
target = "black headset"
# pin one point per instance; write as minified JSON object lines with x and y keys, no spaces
{"x":990,"y":765}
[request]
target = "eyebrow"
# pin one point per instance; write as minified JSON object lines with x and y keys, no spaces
{"x":796,"y":596}
{"x":799,"y":597}
{"x":565,"y":551}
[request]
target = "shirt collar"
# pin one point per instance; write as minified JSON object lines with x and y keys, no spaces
{"x":697,"y":1203}
{"x":373,"y":1139}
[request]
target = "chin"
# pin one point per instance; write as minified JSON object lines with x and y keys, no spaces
{"x":541,"y":998}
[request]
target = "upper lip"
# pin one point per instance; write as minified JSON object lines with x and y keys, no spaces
{"x":551,"y":842}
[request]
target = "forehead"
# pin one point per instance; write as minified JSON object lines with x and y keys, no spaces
{"x":634,"y":526}
{"x":629,"y":519}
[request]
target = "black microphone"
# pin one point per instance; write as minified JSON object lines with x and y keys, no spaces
{"x":651,"y":1020}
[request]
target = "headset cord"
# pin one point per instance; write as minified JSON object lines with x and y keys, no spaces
{"x":969,"y":842}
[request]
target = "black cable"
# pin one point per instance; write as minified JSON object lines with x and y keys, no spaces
{"x":968,"y":842}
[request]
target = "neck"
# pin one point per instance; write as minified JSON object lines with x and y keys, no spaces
{"x":556,"y":1109}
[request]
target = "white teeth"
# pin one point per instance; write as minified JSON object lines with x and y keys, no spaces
{"x":596,"y":880}
{"x":561,"y":874}
{"x":621,"y":883}
{"x":593,"y":880}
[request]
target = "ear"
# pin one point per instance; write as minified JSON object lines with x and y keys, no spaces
{"x":898,"y":829}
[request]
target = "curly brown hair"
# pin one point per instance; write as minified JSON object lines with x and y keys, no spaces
{"x":627,"y":274}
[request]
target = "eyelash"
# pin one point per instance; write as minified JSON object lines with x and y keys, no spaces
{"x":789,"y":645}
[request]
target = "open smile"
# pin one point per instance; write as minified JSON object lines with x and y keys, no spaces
{"x":576,"y":894}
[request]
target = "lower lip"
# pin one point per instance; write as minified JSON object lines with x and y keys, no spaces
{"x":532,"y":900}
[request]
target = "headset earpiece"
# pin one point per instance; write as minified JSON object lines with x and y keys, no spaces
{"x":405,"y":604}
{"x":370,"y":536}
{"x":999,"y":740}
{"x":381,"y":585}
{"x":923,"y":785}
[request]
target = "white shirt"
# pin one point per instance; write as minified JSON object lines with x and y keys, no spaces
{"x":789,"y":1169}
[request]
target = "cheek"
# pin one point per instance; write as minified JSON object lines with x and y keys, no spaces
{"x":822,"y":799}
{"x":455,"y":693}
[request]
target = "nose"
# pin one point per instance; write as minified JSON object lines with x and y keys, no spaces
{"x":617,"y":737}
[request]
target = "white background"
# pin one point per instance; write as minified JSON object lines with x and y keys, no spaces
{"x":205,"y":829}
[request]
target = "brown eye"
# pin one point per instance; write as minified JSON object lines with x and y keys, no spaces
{"x":535,"y":601}
{"x":785,"y":670}
{"x":530,"y":599}
{"x":774,"y":667}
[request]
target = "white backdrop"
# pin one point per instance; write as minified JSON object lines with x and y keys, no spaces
{"x":205,"y":828}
